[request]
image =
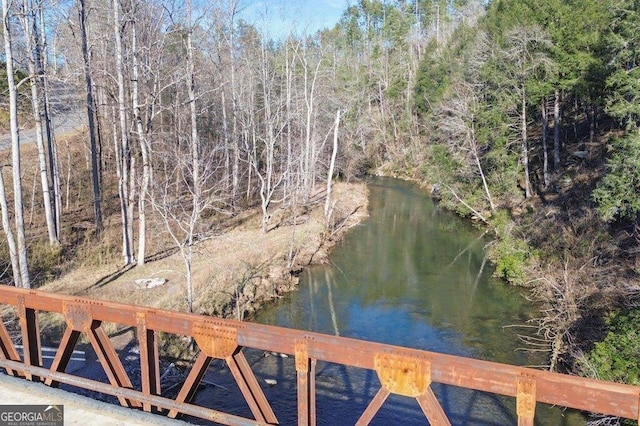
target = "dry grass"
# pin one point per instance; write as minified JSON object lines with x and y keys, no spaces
{"x":233,"y":272}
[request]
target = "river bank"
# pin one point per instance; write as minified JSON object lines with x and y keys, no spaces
{"x":413,"y":275}
{"x":235,"y":270}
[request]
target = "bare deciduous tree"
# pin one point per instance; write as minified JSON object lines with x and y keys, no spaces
{"x":332,"y":164}
{"x":124,"y":166}
{"x":459,"y":115}
{"x":21,"y":275}
{"x":28,"y":18}
{"x":181,"y":200}
{"x":90,"y":105}
{"x":264,"y":160}
{"x":8,"y":231}
{"x":526,"y":46}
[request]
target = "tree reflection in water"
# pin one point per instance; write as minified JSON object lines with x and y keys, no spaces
{"x":411,"y":275}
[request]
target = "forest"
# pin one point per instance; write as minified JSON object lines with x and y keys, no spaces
{"x":522,"y":116}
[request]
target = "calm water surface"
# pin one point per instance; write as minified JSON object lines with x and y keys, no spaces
{"x":411,"y":275}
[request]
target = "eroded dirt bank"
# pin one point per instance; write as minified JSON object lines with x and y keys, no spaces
{"x":235,"y":270}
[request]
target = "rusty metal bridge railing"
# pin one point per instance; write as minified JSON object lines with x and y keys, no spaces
{"x":401,"y":371}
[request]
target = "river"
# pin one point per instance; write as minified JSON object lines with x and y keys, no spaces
{"x":412,"y":275}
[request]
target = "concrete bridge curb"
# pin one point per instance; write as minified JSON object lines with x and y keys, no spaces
{"x":78,"y":410}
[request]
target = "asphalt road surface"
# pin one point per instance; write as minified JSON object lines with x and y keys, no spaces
{"x":64,"y":123}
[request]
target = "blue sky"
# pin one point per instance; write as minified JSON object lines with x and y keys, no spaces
{"x":278,"y":17}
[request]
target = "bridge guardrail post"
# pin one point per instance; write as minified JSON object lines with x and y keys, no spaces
{"x":306,"y":384}
{"x":526,"y":400}
{"x":149,"y":359}
{"x":30,"y":337}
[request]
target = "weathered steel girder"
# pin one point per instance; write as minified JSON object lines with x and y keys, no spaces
{"x":401,"y":371}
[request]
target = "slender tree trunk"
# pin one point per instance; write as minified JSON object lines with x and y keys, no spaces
{"x":52,"y":151}
{"x":556,"y":130}
{"x":235,"y":185}
{"x":195,"y":140}
{"x":195,"y":156}
{"x":265,"y":202}
{"x":266,"y":173}
{"x":42,"y":161}
{"x":142,"y":200}
{"x":97,"y":101}
{"x":11,"y":242}
{"x":95,"y":171}
{"x":68,"y":189}
{"x":187,"y":255}
{"x":131,"y":200}
{"x":250,"y":155}
{"x":545,"y":151}
{"x":22,"y":265}
{"x":310,"y":148}
{"x":288,"y":72}
{"x":334,"y":153}
{"x":308,"y":100}
{"x":525,"y":144}
{"x":142,"y":138}
{"x":53,"y":163}
{"x":590,"y":111}
{"x":124,"y":184}
{"x":225,"y":136}
{"x":476,"y":157}
{"x":31,"y":33}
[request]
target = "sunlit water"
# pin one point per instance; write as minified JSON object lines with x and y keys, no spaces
{"x":410,"y":275}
